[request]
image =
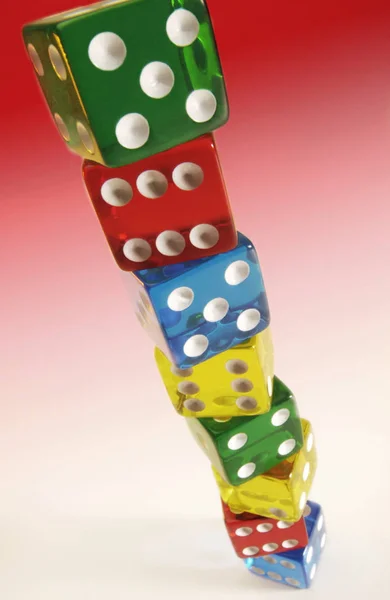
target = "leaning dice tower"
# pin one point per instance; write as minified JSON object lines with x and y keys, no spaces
{"x":136,"y":88}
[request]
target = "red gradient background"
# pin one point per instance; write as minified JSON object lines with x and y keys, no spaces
{"x":86,"y":429}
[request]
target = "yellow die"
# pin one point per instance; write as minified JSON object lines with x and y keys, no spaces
{"x":282,"y":492}
{"x":235,"y":383}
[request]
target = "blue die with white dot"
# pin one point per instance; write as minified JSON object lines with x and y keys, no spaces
{"x":200,"y":308}
{"x":296,"y":568}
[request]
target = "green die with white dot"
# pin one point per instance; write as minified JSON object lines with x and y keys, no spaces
{"x":242,"y":448}
{"x":127,"y":79}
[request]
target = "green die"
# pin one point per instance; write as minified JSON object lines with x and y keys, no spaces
{"x":126,"y":79}
{"x":242,"y":448}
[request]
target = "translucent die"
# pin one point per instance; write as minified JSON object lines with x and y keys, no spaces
{"x":281,"y":492}
{"x":237,"y":382}
{"x":296,"y":567}
{"x":172,"y":207}
{"x":240,"y":449}
{"x":254,"y":536}
{"x":198,"y":309}
{"x":125,"y":80}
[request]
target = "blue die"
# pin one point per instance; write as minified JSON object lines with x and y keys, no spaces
{"x":295,"y":567}
{"x":197,"y":309}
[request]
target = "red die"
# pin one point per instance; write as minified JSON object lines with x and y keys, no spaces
{"x":252,"y":535}
{"x":169,"y":208}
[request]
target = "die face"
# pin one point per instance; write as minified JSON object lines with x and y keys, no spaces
{"x":168,"y":208}
{"x":303,"y":468}
{"x":215,"y":388}
{"x":282,"y":491}
{"x":206,"y":444}
{"x":55,"y":78}
{"x":310,"y":556}
{"x":279,"y":569}
{"x":151,"y":67}
{"x":144,"y":311}
{"x":258,"y":536}
{"x":250,"y":447}
{"x":296,"y":567}
{"x":210,"y":305}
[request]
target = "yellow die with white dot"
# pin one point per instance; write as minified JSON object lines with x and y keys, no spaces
{"x":235,"y":383}
{"x":281,"y":492}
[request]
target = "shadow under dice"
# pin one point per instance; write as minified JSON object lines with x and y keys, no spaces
{"x":254,"y":536}
{"x":235,"y":383}
{"x":281,"y":492}
{"x":198,"y":309}
{"x":296,"y":567}
{"x":169,"y":208}
{"x":150,"y":68}
{"x":240,"y":449}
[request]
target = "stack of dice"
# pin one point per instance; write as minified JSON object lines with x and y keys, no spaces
{"x":136,"y":88}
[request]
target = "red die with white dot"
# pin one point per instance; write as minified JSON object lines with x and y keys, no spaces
{"x":169,"y":208}
{"x":252,"y":535}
